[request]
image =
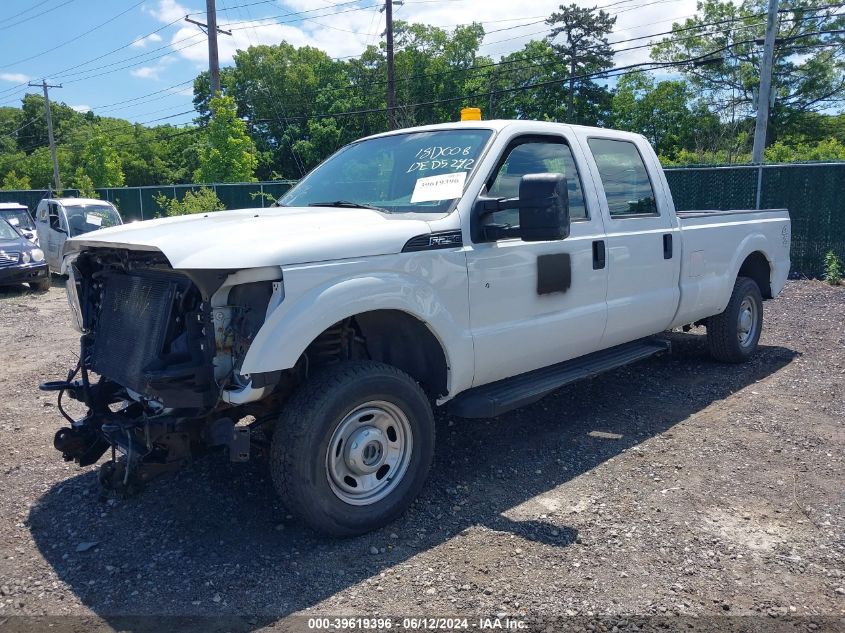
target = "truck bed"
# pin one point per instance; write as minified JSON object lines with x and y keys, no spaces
{"x":716,"y":244}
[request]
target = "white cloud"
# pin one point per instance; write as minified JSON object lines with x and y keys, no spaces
{"x":18,"y":78}
{"x":141,"y":42}
{"x":168,"y":11}
{"x":82,"y":108}
{"x":145,"y":72}
{"x":341,"y":32}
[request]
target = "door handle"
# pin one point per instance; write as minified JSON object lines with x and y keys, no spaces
{"x":599,"y":257}
{"x":667,"y":246}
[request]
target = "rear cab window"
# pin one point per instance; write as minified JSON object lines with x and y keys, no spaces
{"x":627,"y":185}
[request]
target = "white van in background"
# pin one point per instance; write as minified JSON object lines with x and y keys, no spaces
{"x":59,"y":218}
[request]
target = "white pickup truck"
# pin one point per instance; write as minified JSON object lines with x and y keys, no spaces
{"x":477,"y":265}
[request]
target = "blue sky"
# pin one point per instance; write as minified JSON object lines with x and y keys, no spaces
{"x":136,"y":60}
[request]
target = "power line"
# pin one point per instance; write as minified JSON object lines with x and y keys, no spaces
{"x":612,"y":72}
{"x":27,"y":10}
{"x":526,"y":62}
{"x":73,"y":39}
{"x":37,"y":15}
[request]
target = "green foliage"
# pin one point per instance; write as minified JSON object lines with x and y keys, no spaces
{"x":808,"y":76}
{"x":285,"y":108}
{"x":832,"y":269}
{"x":659,"y":111}
{"x":201,"y":201}
{"x":793,"y":150}
{"x":579,"y":38}
{"x":101,"y":162}
{"x":84,"y":184}
{"x":12,"y":182}
{"x":228,"y":153}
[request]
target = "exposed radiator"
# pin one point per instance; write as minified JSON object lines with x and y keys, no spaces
{"x":132,"y":327}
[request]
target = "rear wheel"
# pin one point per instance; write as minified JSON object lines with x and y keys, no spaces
{"x":733,"y":335}
{"x":353,"y":447}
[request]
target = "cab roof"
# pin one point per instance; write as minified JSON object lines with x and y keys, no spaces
{"x":12,"y":205}
{"x":497,"y":125}
{"x":70,"y":202}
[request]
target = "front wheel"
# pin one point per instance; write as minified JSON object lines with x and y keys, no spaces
{"x":733,"y":335}
{"x":353,"y":447}
{"x":42,"y":285}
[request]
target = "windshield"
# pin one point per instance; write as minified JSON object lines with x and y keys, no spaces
{"x":415,"y":172}
{"x":7,"y":232}
{"x":85,"y":218}
{"x":21,"y":215}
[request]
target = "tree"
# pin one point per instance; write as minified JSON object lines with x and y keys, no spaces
{"x":664,"y":112}
{"x":83,"y":183}
{"x":101,"y":162}
{"x":808,"y":76}
{"x":201,"y":201}
{"x":13,"y":182}
{"x":228,"y":153}
{"x":585,"y":50}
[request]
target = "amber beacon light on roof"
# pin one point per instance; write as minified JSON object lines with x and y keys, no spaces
{"x":470,"y":114}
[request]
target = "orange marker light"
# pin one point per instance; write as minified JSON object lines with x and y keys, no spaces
{"x":470,"y":114}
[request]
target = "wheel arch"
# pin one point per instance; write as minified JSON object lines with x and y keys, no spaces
{"x":757,"y":267}
{"x":411,"y":330}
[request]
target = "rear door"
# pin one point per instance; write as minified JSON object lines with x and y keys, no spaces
{"x":518,"y":322}
{"x":643,"y":241}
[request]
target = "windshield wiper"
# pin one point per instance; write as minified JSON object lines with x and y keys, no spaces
{"x":347,"y":204}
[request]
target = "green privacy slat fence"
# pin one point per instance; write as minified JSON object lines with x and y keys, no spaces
{"x":814,"y":193}
{"x":138,"y":203}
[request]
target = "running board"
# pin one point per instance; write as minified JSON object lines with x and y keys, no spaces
{"x":494,"y":399}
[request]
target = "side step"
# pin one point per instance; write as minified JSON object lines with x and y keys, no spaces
{"x":494,"y":399}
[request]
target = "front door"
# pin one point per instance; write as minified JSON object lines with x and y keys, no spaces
{"x":57,"y":234}
{"x":643,"y":242}
{"x":523,"y":314}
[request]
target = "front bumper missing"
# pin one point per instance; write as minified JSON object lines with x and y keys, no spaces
{"x":148,"y":448}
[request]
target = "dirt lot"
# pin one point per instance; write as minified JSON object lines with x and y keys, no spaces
{"x":674,"y":487}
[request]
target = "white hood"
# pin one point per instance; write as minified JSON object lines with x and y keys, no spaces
{"x":251,"y":238}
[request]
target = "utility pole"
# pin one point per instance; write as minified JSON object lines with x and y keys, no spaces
{"x":211,"y":29}
{"x":46,"y":87}
{"x":391,"y":88}
{"x":764,"y":94}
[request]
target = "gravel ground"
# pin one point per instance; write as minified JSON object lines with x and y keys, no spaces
{"x":675,"y":487}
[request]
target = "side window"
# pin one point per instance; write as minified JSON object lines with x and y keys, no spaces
{"x":625,"y":179}
{"x":536,"y":157}
{"x":54,"y":217}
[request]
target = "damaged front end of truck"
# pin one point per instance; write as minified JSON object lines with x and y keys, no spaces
{"x":159,"y":363}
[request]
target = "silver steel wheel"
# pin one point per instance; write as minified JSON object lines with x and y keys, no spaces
{"x":746,"y":327}
{"x":369,"y":453}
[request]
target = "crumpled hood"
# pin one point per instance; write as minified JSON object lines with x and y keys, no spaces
{"x":251,"y":238}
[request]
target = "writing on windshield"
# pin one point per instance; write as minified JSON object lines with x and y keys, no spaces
{"x":395,"y":173}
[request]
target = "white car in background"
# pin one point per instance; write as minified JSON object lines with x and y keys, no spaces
{"x":58,"y":219}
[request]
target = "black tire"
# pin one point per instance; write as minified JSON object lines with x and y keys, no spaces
{"x":299,"y":456}
{"x":42,"y":285}
{"x":723,"y":330}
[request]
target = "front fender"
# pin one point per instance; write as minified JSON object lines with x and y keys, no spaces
{"x":304,"y":315}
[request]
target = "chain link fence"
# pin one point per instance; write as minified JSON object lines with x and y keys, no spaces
{"x":139,"y":203}
{"x":814,"y":193}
